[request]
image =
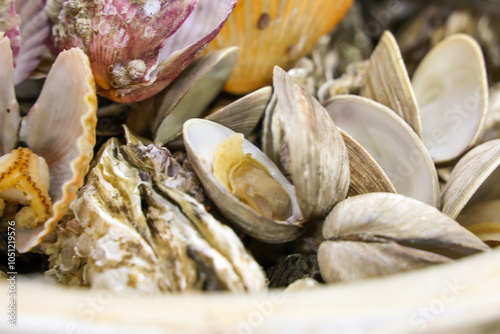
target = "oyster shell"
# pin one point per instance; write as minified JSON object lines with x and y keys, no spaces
{"x":140,"y":231}
{"x":137,"y":48}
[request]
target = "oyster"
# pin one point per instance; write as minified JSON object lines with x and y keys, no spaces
{"x":137,"y":48}
{"x":67,"y":101}
{"x":139,"y":230}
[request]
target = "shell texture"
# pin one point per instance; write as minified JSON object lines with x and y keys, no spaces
{"x":137,"y":48}
{"x":274,"y":33}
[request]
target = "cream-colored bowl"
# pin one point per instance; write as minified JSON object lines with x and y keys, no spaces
{"x":462,"y":297}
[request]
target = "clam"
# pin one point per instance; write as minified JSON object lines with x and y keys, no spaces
{"x":474,"y":179}
{"x":60,"y":128}
{"x":392,"y":144}
{"x":274,"y":33}
{"x":483,"y":219}
{"x":452,"y":96}
{"x":161,"y":116}
{"x":300,"y":136}
{"x":137,"y":48}
{"x":381,"y":233}
{"x":268,"y":191}
{"x":388,"y":83}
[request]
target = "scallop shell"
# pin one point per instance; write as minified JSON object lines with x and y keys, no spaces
{"x":9,"y":109}
{"x":137,"y":48}
{"x":274,"y":33}
{"x":61,"y":128}
{"x":391,"y":142}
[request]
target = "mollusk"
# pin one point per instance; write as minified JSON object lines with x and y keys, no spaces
{"x":60,"y":128}
{"x":27,"y":25}
{"x":137,"y":48}
{"x":274,"y":33}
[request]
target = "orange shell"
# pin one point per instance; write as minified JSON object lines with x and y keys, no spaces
{"x":274,"y":32}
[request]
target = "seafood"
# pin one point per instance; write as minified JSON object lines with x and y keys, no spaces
{"x":137,"y":48}
{"x":67,"y":152}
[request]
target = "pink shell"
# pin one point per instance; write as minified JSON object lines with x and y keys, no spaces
{"x":136,"y":48}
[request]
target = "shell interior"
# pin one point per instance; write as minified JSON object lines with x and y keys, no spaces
{"x":391,"y":142}
{"x":202,"y":138}
{"x":452,"y":92}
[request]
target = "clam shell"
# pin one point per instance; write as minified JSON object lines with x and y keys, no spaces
{"x":201,"y":138}
{"x":380,"y":233}
{"x":241,"y":116}
{"x":274,"y":32}
{"x":483,"y":219}
{"x":391,"y":142}
{"x":475,"y":178}
{"x":452,"y":95}
{"x":161,"y":117}
{"x":61,"y":128}
{"x":316,"y":157}
{"x":366,"y":175}
{"x":9,"y":109}
{"x":388,"y":83}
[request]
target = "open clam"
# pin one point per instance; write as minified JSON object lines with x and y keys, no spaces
{"x":60,"y":128}
{"x":452,"y":95}
{"x":472,"y":192}
{"x":391,"y":142}
{"x":267,"y":190}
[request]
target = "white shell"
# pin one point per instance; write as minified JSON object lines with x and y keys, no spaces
{"x":201,"y":138}
{"x":391,"y":142}
{"x":451,"y":87}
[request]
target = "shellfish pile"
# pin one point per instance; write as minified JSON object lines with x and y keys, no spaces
{"x":333,"y":167}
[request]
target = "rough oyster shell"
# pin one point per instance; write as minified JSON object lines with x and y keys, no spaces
{"x":139,"y":231}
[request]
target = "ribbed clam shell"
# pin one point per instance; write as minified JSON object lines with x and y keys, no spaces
{"x":10,"y":25}
{"x":475,"y":178}
{"x":274,"y":33}
{"x":316,"y":158}
{"x":61,"y":128}
{"x":137,"y":48}
{"x":9,"y":109}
